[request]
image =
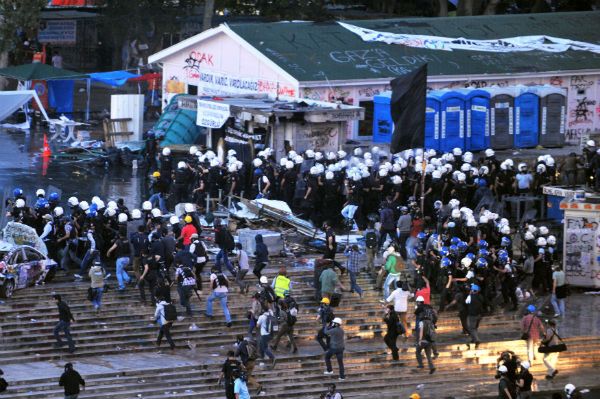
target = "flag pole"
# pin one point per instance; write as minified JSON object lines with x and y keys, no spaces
{"x":423,"y":164}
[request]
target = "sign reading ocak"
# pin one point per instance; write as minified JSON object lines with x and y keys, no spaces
{"x":505,"y":45}
{"x":212,"y":114}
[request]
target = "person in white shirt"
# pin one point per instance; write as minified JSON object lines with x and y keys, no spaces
{"x":400,"y":298}
{"x":219,"y":284}
{"x":242,"y":269}
{"x":266,"y":323}
{"x":57,"y":60}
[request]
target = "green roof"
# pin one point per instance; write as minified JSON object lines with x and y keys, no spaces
{"x":39,"y":71}
{"x":312,"y":51}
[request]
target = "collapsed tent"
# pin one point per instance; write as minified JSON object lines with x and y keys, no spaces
{"x":11,"y":101}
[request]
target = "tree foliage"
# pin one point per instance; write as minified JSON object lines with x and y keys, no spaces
{"x":18,"y":16}
{"x":313,"y":10}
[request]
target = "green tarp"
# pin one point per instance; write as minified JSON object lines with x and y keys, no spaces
{"x":39,"y":71}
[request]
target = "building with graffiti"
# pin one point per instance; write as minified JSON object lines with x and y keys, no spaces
{"x":351,"y":63}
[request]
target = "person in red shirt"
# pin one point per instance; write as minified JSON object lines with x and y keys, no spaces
{"x":187,"y":232}
{"x":424,"y":290}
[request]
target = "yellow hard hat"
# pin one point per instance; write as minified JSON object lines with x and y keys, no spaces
{"x":156,"y":174}
{"x":325,"y":301}
{"x":414,"y":396}
{"x":188,"y":219}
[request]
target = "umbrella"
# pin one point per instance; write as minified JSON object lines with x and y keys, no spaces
{"x":39,"y":71}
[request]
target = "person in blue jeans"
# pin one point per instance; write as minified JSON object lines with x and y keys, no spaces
{"x":122,"y":251}
{"x":336,"y":347}
{"x":97,"y":276}
{"x":219,"y":284}
{"x":353,"y":267}
{"x":65,"y":317}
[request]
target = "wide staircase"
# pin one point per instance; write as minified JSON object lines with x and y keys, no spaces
{"x":124,"y":334}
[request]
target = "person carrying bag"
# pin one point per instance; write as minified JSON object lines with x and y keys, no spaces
{"x":551,"y":346}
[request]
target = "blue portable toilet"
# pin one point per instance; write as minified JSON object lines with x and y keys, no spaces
{"x":501,"y":116}
{"x":433,"y":105}
{"x":477,"y":128}
{"x":452,"y":119}
{"x":553,"y":115}
{"x":383,"y":126}
{"x":527,"y":117}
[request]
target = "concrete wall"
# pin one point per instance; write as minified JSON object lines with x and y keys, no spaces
{"x":583,"y":101}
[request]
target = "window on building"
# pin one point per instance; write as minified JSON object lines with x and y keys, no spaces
{"x":365,"y":127}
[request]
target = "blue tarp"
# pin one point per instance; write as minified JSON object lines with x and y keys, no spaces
{"x":60,"y":96}
{"x":114,"y":78}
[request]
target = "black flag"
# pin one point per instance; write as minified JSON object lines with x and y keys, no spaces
{"x":407,"y":107}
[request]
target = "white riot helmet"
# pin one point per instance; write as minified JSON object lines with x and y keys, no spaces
{"x":529,"y":235}
{"x":309,"y":154}
{"x":231,"y":152}
{"x":471,"y":222}
{"x":505,"y":229}
{"x":173,"y":220}
{"x":136,"y":214}
{"x":590,"y":143}
{"x":484,"y":170}
{"x":298,"y":160}
{"x":73,"y":201}
{"x":483,"y":219}
{"x":331,"y":156}
{"x":465,"y":167}
{"x":58,"y":211}
{"x":111,"y":212}
{"x":214,"y":162}
{"x":522,"y":166}
{"x":396,"y":180}
{"x":541,"y":242}
{"x":96,"y":199}
{"x":194,"y":150}
{"x":368,"y":155}
{"x":166,"y":151}
{"x":84,"y":206}
{"x":289,"y":165}
{"x":314,"y":170}
{"x":233,"y":168}
{"x":318,"y":156}
{"x":454,"y":203}
{"x":156,"y":213}
{"x":329,"y":175}
{"x":147,"y":205}
{"x":489,"y":153}
{"x":100,"y":204}
{"x":257,"y":162}
{"x":437,"y":174}
{"x":122,"y":218}
{"x":358,"y":152}
{"x":341,"y":154}
{"x":375,"y":150}
{"x":189,"y":208}
{"x":509,"y":162}
{"x":551,"y":240}
{"x":112,"y":204}
{"x":549,"y":161}
{"x":455,"y":213}
{"x":461,"y":176}
{"x":369,"y":163}
{"x":180,"y":165}
{"x":40,"y":193}
{"x":467,"y":157}
{"x":466,"y":262}
{"x":541,"y":168}
{"x":210,"y":154}
{"x":383,"y":172}
{"x":457,"y":152}
{"x":543,"y":230}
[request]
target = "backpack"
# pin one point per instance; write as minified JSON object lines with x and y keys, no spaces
{"x":187,"y":272}
{"x":371,"y":240}
{"x":170,"y":312}
{"x":267,"y":295}
{"x":228,"y":242}
{"x":327,"y":315}
{"x":272,"y":324}
{"x":251,"y":349}
{"x":220,"y":281}
{"x":3,"y":384}
{"x":429,"y":333}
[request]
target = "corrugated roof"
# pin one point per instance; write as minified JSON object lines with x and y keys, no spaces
{"x":326,"y":51}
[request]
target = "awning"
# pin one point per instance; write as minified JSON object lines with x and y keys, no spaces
{"x":146,"y":77}
{"x":10,"y":101}
{"x":39,"y":71}
{"x":114,"y":78}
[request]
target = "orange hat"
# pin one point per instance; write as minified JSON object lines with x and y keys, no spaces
{"x":414,"y":396}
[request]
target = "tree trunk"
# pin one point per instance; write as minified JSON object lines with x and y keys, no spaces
{"x":465,"y":7}
{"x":209,"y":9}
{"x":3,"y":64}
{"x":443,"y":8}
{"x":491,"y":7}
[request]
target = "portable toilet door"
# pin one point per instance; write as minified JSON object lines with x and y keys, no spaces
{"x":383,"y":126}
{"x":527,"y":118}
{"x":452,"y":119}
{"x":501,"y":117}
{"x":433,"y":105}
{"x":553,"y":115}
{"x":477,"y":128}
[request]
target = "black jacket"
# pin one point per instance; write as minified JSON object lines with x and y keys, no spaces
{"x":71,"y":380}
{"x":261,"y":252}
{"x":64,"y":312}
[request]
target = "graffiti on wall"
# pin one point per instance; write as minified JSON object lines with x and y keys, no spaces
{"x":379,"y":61}
{"x":194,"y":61}
{"x":581,"y":105}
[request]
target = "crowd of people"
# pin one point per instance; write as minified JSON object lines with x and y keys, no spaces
{"x":430,"y":223}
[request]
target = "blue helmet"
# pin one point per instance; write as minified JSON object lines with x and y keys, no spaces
{"x":444,"y":251}
{"x":481,"y":182}
{"x":462,"y":246}
{"x":474,"y":287}
{"x":54,"y":197}
{"x":503,"y":253}
{"x":17,"y":192}
{"x":505,"y":242}
{"x":470,"y":256}
{"x":453,"y":249}
{"x":41,"y":203}
{"x":445,"y":262}
{"x":435,"y":236}
{"x":481,"y":262}
{"x":454,"y":240}
{"x":482,"y":244}
{"x":483,"y":253}
{"x":422,"y":236}
{"x":531,"y":308}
